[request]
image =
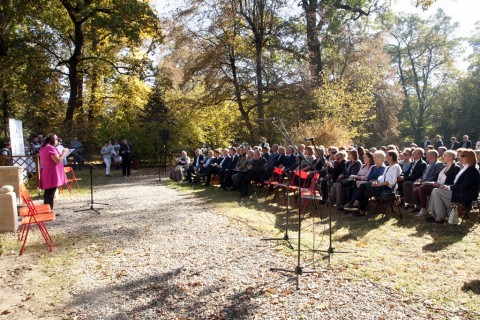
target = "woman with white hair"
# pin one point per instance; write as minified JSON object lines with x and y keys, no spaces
{"x":387,"y":181}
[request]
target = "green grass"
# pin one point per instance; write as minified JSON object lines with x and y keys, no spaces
{"x":429,"y":261}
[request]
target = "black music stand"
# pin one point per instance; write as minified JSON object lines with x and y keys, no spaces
{"x":92,"y":202}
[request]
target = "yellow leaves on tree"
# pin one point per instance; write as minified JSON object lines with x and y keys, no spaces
{"x":345,"y":106}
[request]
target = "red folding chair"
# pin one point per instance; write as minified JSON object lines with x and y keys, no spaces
{"x":71,"y":178}
{"x":34,"y":217}
{"x":300,"y":176}
{"x":275,"y":179}
{"x":311,"y":193}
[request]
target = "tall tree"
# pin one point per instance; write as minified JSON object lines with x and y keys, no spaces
{"x":424,"y":52}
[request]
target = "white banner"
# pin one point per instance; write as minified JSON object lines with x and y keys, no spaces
{"x":16,"y":137}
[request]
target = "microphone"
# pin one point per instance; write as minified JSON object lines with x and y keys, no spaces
{"x":309,"y":139}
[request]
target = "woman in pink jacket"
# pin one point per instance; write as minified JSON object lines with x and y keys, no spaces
{"x":52,"y":174}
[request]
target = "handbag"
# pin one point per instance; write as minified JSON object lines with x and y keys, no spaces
{"x":453,"y":215}
{"x":388,"y":195}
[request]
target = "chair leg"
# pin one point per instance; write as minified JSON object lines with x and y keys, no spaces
{"x":393,"y":210}
{"x":25,"y":239}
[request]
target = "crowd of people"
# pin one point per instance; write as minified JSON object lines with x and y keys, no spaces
{"x":427,"y":177}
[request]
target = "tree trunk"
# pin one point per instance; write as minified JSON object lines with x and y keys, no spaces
{"x":6,"y":112}
{"x":260,"y":89}
{"x":313,"y":42}
{"x":238,"y":92}
{"x":75,"y":79}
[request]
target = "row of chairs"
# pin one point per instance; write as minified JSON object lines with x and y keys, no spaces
{"x":308,"y":193}
{"x":297,"y":184}
{"x":32,"y":214}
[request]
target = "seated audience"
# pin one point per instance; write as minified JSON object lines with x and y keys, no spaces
{"x":334,"y":170}
{"x":344,"y":182}
{"x":225,"y":174}
{"x":430,"y":174}
{"x":241,"y":167}
{"x":416,"y":171}
{"x":198,"y":160}
{"x":463,"y":190}
{"x":255,"y":171}
{"x":445,"y":177}
{"x":387,"y":181}
{"x":215,"y":165}
{"x":181,"y":165}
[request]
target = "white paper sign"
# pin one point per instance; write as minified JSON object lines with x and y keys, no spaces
{"x":16,"y":137}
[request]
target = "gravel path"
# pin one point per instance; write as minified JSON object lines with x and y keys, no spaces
{"x":157,"y":253}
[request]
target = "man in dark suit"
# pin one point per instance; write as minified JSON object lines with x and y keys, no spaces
{"x":438,"y":142}
{"x":198,"y":160}
{"x":225,"y":174}
{"x":216,"y":165}
{"x":423,"y":144}
{"x":454,"y":145}
{"x":416,"y":171}
{"x":429,"y":174}
{"x":255,"y":172}
{"x":289,"y":161}
{"x":272,"y":161}
{"x":466,"y":143}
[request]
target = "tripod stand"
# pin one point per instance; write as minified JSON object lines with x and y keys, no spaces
{"x":298,"y":269}
{"x":285,"y":238}
{"x":331,"y":250}
{"x":92,"y":202}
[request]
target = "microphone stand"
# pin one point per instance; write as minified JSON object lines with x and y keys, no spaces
{"x":285,"y":238}
{"x":92,"y":202}
{"x":331,"y":250}
{"x":298,"y":269}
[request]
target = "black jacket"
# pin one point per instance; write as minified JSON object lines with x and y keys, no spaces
{"x":417,"y":171}
{"x":451,"y":174}
{"x":200,"y":161}
{"x":126,"y":151}
{"x":465,"y":190}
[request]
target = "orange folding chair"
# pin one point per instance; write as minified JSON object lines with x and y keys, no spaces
{"x":71,"y":178}
{"x":23,"y":211}
{"x":275,"y":179}
{"x":33,"y":216}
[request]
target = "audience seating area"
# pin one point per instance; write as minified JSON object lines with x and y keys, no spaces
{"x":352,"y":179}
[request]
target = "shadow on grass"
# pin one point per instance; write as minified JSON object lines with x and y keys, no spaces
{"x":443,"y":235}
{"x":472,"y":286}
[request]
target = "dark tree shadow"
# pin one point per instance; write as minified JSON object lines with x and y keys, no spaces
{"x":472,"y":286}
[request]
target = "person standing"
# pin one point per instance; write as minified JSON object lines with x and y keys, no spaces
{"x":52,"y":174}
{"x":107,"y":151}
{"x":77,"y":154}
{"x":438,"y":142}
{"x":6,"y":150}
{"x":126,"y":154}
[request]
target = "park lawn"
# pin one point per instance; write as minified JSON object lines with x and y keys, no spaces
{"x":436,"y":264}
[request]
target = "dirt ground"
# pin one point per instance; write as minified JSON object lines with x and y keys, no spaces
{"x":158,"y":253}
